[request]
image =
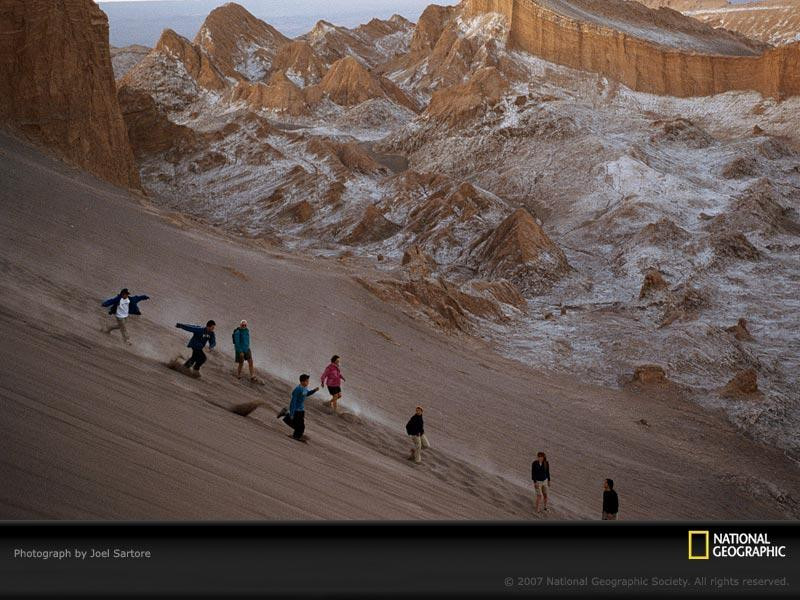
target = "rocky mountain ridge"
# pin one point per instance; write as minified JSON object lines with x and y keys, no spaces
{"x":658,"y":52}
{"x":775,"y":22}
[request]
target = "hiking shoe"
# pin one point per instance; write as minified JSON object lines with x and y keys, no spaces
{"x":284,"y":411}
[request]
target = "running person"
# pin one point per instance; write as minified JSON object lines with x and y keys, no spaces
{"x":540,"y":474}
{"x":295,"y":416}
{"x":200,"y":337}
{"x":333,"y":378}
{"x":121,"y":307}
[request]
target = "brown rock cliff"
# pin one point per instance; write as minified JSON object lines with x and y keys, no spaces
{"x":612,"y":47}
{"x":57,"y":84}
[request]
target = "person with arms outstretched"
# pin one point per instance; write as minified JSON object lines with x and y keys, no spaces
{"x":333,"y":378}
{"x":121,"y":307}
{"x":241,"y":348}
{"x":200,"y":337}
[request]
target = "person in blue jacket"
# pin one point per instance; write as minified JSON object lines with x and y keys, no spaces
{"x":200,"y":337}
{"x":241,"y":349}
{"x":295,"y":416}
{"x":121,"y":307}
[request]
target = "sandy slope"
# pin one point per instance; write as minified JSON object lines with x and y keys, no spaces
{"x":92,"y":429}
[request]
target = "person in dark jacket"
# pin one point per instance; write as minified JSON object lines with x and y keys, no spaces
{"x":415,"y":428}
{"x":540,"y":474}
{"x":295,"y":416}
{"x":241,"y":349}
{"x":610,"y":501}
{"x":200,"y":337}
{"x":121,"y":307}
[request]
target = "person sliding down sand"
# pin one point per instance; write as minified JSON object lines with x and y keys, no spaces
{"x":540,"y":473}
{"x":295,"y":416}
{"x":415,"y":428}
{"x":241,"y":348}
{"x":200,"y":337}
{"x":333,"y":378}
{"x":121,"y":306}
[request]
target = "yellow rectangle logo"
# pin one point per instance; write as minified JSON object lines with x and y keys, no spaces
{"x":697,"y":534}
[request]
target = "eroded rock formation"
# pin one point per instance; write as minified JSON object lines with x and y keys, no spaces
{"x":242,"y":46}
{"x":348,"y":83}
{"x":772,"y":21}
{"x":460,"y":102}
{"x":279,"y":94}
{"x":743,"y":385}
{"x":57,"y":84}
{"x":519,"y":250}
{"x":609,"y":37}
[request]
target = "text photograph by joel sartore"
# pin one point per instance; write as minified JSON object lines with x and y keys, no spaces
{"x":492,"y":269}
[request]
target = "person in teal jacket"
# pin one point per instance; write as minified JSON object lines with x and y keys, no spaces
{"x":241,"y":348}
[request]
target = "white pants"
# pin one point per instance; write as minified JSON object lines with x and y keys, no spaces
{"x":420,"y":442}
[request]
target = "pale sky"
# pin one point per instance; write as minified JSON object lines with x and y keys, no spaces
{"x":142,"y":21}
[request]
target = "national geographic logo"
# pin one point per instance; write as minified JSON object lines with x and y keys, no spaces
{"x":703,"y":546}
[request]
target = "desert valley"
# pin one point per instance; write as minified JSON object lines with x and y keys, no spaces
{"x":569,"y":225}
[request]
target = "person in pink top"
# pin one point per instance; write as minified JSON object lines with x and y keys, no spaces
{"x":333,"y":378}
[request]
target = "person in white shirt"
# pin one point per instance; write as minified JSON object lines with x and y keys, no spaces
{"x":121,"y":307}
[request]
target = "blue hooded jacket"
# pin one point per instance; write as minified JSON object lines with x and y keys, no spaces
{"x":200,"y":335}
{"x":133,"y":308}
{"x":298,"y":403}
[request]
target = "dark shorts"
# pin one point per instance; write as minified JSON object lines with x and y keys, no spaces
{"x":334,"y":389}
{"x":243,"y":356}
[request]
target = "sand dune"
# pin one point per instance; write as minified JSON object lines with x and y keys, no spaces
{"x":93,"y":429}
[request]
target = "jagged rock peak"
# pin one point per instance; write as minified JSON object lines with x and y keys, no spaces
{"x":348,"y":82}
{"x":430,"y":27}
{"x":519,"y":250}
{"x":194,"y":59}
{"x":241,"y":45}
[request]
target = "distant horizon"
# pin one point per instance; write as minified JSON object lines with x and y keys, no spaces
{"x":130,"y":23}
